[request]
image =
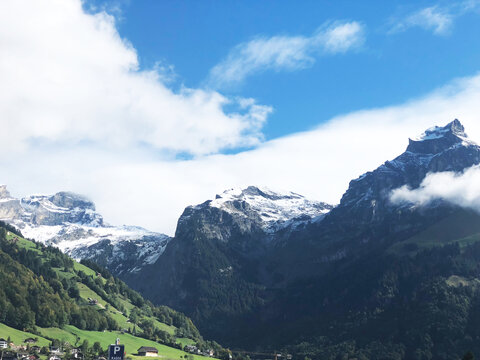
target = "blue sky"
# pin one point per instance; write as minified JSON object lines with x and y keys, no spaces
{"x":390,"y":66}
{"x":147,"y":107}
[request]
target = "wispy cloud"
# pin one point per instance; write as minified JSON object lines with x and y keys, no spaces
{"x":462,"y":189}
{"x":287,"y":53}
{"x":438,"y":19}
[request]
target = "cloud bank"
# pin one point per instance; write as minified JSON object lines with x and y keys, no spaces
{"x":76,"y":113}
{"x":68,"y":77}
{"x":285,"y":53}
{"x":462,"y":189}
{"x":134,"y":187}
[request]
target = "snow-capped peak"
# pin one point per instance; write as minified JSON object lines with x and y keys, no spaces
{"x":440,"y":138}
{"x":4,"y":193}
{"x":69,"y":221}
{"x":276,"y":210}
{"x":437,"y":132}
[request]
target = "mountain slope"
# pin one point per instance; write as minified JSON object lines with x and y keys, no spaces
{"x":47,"y":293}
{"x":334,"y":284}
{"x":213,"y":266}
{"x":366,"y":219}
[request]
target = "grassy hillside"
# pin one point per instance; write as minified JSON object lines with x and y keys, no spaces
{"x":76,"y":336}
{"x":45,"y":294}
{"x":462,"y":228}
{"x":18,"y":336}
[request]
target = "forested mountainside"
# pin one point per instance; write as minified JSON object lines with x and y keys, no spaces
{"x":368,"y":279}
{"x":45,"y":292}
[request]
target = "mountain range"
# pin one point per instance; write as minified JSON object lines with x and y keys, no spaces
{"x":346,"y":279}
{"x":369,"y":278}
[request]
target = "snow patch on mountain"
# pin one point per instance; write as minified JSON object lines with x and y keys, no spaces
{"x":70,"y":222}
{"x":454,"y":128}
{"x":276,"y":210}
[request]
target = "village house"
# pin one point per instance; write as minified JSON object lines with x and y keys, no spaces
{"x":30,"y":341}
{"x":191,"y":349}
{"x":55,"y":350}
{"x":92,"y":301}
{"x":54,"y":357}
{"x":35,"y":348}
{"x":3,"y":343}
{"x":147,"y":351}
{"x":76,"y":353}
{"x":209,"y":352}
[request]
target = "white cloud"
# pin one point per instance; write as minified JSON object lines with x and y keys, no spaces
{"x":285,"y":52}
{"x":438,"y":19}
{"x":67,"y":77}
{"x":432,"y":18}
{"x":77,"y":115}
{"x":134,"y":187}
{"x":462,"y":189}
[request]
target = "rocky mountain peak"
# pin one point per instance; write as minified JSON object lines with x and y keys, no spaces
{"x":252,"y":193}
{"x":4,"y":193}
{"x":438,"y":149}
{"x":437,"y":139}
{"x":71,"y":200}
{"x":269,"y":209}
{"x":70,"y":222}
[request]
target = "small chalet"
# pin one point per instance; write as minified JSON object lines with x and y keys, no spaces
{"x":3,"y":343}
{"x":35,"y":348}
{"x":92,"y":301}
{"x":209,"y":352}
{"x":147,"y":351}
{"x":55,"y":350}
{"x":76,"y":353}
{"x":191,"y":348}
{"x":30,"y":341}
{"x":54,"y":357}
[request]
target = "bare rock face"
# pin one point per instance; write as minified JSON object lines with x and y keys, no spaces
{"x":10,"y":208}
{"x":63,"y":207}
{"x":4,"y":193}
{"x":252,"y":210}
